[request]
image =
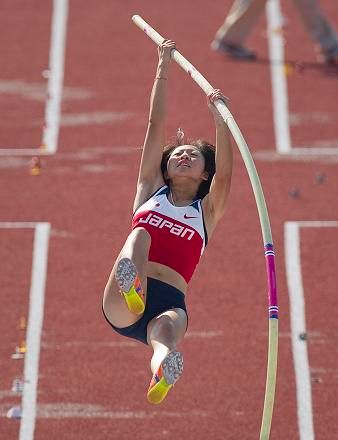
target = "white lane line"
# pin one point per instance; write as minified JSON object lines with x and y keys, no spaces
{"x":298,"y":323}
{"x":278,"y":80}
{"x":298,"y":328}
{"x":317,"y":224}
{"x":23,"y":152}
{"x":66,"y":410}
{"x":34,"y":329}
{"x":18,"y":225}
{"x":313,"y":151}
{"x":50,"y":132}
{"x":56,"y":71}
{"x":281,"y":116}
{"x":35,"y":321}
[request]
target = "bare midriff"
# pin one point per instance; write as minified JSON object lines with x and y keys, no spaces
{"x":167,"y":275}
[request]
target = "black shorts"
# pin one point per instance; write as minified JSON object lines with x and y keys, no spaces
{"x":160,"y":298}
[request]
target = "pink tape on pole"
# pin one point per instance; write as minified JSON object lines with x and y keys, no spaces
{"x":272,"y":285}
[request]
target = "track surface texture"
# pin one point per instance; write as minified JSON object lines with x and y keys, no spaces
{"x":92,"y":383}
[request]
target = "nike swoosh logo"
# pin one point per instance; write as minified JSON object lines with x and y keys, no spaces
{"x":189,"y":216}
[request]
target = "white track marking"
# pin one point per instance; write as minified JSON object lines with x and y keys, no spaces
{"x":298,"y":327}
{"x":298,"y":322}
{"x":51,"y":128}
{"x":18,"y":225}
{"x":281,"y":115}
{"x":84,"y":154}
{"x":279,"y":84}
{"x":317,"y":224}
{"x":56,"y":70}
{"x":34,"y":329}
{"x":34,"y":325}
{"x":64,"y":410}
{"x":309,"y":151}
{"x":24,"y":152}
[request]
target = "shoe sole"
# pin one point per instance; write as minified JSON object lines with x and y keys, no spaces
{"x":217,"y":47}
{"x":172,"y":368}
{"x":126,"y":274}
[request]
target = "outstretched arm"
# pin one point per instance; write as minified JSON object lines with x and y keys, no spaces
{"x":220,"y":186}
{"x":155,"y":135}
{"x":150,"y":175}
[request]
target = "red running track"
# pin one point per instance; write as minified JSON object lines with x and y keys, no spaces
{"x":92,"y":383}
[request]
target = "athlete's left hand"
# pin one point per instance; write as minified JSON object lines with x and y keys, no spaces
{"x":211,"y":98}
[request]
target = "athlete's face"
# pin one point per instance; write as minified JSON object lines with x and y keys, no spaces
{"x":187,"y":160}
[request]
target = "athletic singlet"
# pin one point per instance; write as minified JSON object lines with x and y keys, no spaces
{"x":178,"y":234}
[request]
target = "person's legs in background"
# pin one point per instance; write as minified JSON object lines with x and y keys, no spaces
{"x":231,"y":36}
{"x":320,"y":30}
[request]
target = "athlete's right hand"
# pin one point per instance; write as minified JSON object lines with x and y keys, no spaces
{"x":164,"y":51}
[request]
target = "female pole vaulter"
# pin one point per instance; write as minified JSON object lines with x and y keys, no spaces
{"x":182,"y":191}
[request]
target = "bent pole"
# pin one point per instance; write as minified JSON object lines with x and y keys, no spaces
{"x":263,"y":216}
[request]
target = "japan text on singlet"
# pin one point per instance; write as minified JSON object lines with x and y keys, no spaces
{"x":178,"y":234}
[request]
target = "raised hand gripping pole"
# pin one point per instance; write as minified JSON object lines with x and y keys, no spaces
{"x":264,"y":221}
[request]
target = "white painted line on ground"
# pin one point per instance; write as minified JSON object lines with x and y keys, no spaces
{"x":317,"y":224}
{"x":64,"y":410}
{"x":278,"y":80}
{"x":309,"y":151}
{"x":56,"y":71}
{"x":24,"y":152}
{"x":34,"y":329}
{"x":50,"y":132}
{"x":273,"y":156}
{"x":298,"y":322}
{"x":34,"y":324}
{"x":118,"y":149}
{"x":280,"y":105}
{"x":298,"y":327}
{"x":18,"y":225}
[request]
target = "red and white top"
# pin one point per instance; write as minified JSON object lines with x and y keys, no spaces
{"x":178,"y":234}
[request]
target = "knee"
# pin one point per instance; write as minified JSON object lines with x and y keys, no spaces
{"x":106,"y":301}
{"x":164,"y":330}
{"x":140,"y":235}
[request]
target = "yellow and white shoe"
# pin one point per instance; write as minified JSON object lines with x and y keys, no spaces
{"x":165,"y":377}
{"x":130,"y":284}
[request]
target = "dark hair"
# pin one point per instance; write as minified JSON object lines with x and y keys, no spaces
{"x":208,"y":152}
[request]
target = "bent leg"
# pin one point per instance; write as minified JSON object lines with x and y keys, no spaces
{"x":115,"y":307}
{"x":240,"y":21}
{"x":164,"y":333}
